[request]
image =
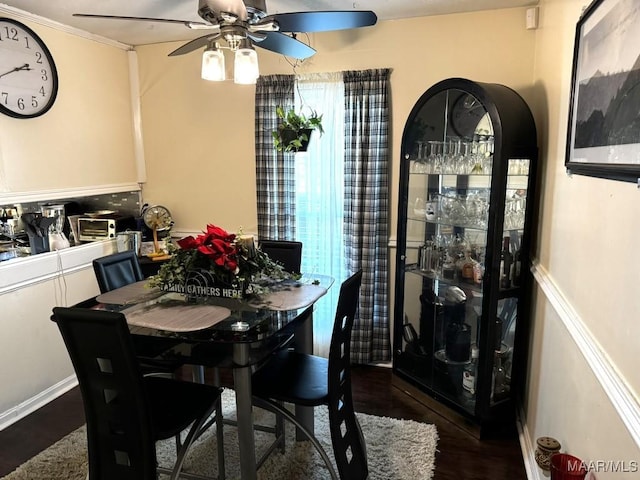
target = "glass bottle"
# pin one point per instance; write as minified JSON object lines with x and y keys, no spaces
{"x":499,"y":388}
{"x":516,"y":273}
{"x":506,"y":259}
{"x":469,"y":269}
{"x":469,"y":377}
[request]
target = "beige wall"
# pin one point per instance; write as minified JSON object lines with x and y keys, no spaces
{"x":586,"y":325}
{"x":86,"y":138}
{"x":198,"y":140}
{"x":198,"y":136}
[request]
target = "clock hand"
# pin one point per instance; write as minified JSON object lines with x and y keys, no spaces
{"x":17,"y":69}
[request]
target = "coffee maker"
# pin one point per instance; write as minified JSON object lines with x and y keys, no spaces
{"x":61,"y":210}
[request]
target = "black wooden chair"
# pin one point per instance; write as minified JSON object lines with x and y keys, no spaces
{"x":121,"y":269}
{"x":308,"y":380}
{"x":126,"y":413}
{"x":117,"y":270}
{"x":285,"y":252}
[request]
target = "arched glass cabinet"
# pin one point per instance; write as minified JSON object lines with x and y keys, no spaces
{"x":467,"y":191}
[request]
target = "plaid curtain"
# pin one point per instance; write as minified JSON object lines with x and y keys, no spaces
{"x":275,"y":179}
{"x":366,"y":207}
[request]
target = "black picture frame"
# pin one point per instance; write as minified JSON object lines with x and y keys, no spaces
{"x":603,"y":135}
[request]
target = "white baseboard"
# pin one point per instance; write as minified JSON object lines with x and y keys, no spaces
{"x":34,"y":403}
{"x":528,"y":449}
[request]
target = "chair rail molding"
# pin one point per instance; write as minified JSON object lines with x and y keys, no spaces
{"x":19,"y":273}
{"x":7,"y":198}
{"x":615,"y":386}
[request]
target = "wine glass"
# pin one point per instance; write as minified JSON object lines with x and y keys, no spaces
{"x":435,"y":159}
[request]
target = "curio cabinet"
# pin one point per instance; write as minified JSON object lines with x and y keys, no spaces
{"x":466,"y":201}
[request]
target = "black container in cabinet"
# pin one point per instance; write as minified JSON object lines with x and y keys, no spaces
{"x":462,"y":291}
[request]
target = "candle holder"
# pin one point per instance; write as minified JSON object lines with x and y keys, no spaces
{"x":546,"y":448}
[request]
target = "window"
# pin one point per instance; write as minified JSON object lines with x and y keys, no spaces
{"x":334,"y":198}
{"x":319,"y":197}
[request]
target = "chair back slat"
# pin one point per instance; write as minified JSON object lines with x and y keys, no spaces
{"x":346,"y":435}
{"x":119,"y":428}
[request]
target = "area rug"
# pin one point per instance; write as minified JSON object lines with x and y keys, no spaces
{"x":396,"y":450}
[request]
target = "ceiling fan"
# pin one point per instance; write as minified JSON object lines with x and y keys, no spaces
{"x":242,"y":24}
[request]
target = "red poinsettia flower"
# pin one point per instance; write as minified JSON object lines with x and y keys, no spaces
{"x":188,"y":243}
{"x":221,"y":253}
{"x":217,"y":232}
{"x":216,"y":244}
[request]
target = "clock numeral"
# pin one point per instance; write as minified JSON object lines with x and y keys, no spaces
{"x":11,"y":33}
{"x":45,"y":75}
{"x":26,"y":41}
{"x":42,"y":91}
{"x":4,"y":96}
{"x":38,"y":57}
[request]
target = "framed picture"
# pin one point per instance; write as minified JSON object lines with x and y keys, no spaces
{"x":603,"y":138}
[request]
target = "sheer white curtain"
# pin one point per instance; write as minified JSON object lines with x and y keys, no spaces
{"x":319,"y":178}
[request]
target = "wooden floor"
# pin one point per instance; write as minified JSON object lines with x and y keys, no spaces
{"x":459,"y":456}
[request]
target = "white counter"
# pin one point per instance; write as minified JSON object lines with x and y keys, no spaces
{"x":35,"y":364}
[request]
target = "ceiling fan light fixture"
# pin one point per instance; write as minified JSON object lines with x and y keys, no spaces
{"x":213,"y":68}
{"x":245,"y":69}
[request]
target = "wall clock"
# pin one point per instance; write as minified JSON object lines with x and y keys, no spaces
{"x":28,"y":75}
{"x":466,"y":113}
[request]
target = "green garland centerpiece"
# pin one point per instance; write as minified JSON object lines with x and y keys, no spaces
{"x":216,"y":259}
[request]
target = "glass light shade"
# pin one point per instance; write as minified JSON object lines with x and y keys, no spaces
{"x":213,"y":65}
{"x":245,"y":69}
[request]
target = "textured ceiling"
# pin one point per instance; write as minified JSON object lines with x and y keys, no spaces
{"x":140,"y":33}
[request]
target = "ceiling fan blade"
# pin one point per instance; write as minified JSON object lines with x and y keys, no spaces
{"x":236,"y":7}
{"x":323,"y":21}
{"x":194,"y":45}
{"x":286,"y":45}
{"x":188,"y":23}
{"x":257,"y":36}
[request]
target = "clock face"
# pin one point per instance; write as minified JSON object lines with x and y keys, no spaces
{"x":466,"y":113}
{"x":28,"y":76}
{"x":157,"y":217}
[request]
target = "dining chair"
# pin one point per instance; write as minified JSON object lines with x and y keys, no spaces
{"x":287,"y":253}
{"x":121,"y":269}
{"x":117,"y":270}
{"x":309,"y":380}
{"x":126,"y":412}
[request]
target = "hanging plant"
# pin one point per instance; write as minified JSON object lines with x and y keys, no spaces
{"x":294,"y":130}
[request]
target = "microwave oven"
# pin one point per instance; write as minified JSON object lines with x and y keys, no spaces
{"x":103,"y":228}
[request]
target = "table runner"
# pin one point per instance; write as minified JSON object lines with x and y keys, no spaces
{"x":176,"y":316}
{"x":137,"y":292}
{"x":290,"y":298}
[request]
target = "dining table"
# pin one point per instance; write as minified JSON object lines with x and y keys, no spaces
{"x":235,"y":333}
